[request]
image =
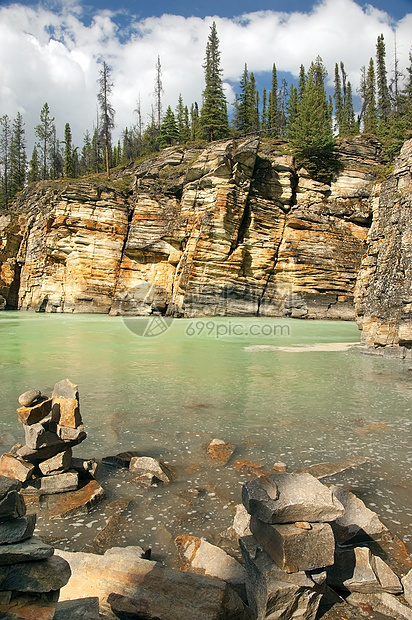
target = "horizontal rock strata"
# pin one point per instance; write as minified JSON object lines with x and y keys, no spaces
{"x":230,"y":229}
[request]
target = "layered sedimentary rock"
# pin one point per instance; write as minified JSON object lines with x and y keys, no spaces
{"x":384,"y":287}
{"x":227,"y":229}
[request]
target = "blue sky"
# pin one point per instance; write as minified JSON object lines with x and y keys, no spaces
{"x":50,"y":51}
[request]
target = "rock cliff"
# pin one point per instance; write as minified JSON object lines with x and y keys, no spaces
{"x":384,"y":287}
{"x":229,"y":228}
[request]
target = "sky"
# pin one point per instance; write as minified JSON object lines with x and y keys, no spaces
{"x":50,"y":51}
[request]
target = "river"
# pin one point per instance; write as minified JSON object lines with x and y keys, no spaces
{"x":299,"y":392}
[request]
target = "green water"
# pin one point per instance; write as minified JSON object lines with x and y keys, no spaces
{"x":233,"y":379}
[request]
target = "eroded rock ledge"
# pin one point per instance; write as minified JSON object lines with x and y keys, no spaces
{"x":229,"y":229}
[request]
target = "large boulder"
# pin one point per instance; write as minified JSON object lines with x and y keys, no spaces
{"x":286,"y":498}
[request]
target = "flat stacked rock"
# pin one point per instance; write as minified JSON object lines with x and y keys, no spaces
{"x":292,"y":558}
{"x":28,"y":566}
{"x":52,"y":426}
{"x":291,"y":544}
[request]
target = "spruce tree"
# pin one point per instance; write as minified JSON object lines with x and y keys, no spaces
{"x":169,"y":132}
{"x":311,"y":133}
{"x":282,"y":99}
{"x":383,"y":96}
{"x":370,"y":116}
{"x":34,"y":167}
{"x":274,"y":105}
{"x":182,"y":120}
{"x":5,"y":139}
{"x":213,"y":115}
{"x":195,"y":126}
{"x":106,"y":112}
{"x":337,"y":95}
{"x":18,"y":157}
{"x":264,"y":120}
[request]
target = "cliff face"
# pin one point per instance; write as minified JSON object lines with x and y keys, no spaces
{"x":231,"y":229}
{"x":384,"y":287}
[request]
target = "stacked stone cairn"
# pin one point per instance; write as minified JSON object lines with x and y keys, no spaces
{"x":291,"y":557}
{"x":30,"y":574}
{"x":52,"y":426}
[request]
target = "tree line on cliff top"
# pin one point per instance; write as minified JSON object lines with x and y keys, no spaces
{"x":301,"y":114}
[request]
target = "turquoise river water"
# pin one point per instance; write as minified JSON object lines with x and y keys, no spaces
{"x":279,"y":390}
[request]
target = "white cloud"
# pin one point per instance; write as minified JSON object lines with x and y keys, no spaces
{"x":51,"y":55}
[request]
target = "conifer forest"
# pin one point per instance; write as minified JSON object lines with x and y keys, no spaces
{"x":301,"y":114}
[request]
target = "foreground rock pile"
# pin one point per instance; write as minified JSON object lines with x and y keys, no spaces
{"x":30,"y":574}
{"x":52,"y":426}
{"x":292,"y":559}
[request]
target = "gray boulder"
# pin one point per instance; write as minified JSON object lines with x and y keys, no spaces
{"x":286,"y":498}
{"x":272,"y":593}
{"x":295,"y":548}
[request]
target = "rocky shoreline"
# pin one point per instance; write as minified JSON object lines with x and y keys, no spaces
{"x":297,"y":548}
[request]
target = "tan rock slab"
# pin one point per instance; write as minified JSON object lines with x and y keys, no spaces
{"x":12,"y":466}
{"x":381,"y":602}
{"x":295,"y":549}
{"x":358,"y":522}
{"x":57,"y":464}
{"x":363,"y":578}
{"x":33,"y":415}
{"x":220,"y":450}
{"x":200,"y":556}
{"x":65,"y":389}
{"x":76,"y":502}
{"x":66,"y":412}
{"x":57,"y":483}
{"x":29,"y":608}
{"x":386,"y":577}
{"x":120,"y":569}
{"x":109,"y":536}
{"x":148,"y":465}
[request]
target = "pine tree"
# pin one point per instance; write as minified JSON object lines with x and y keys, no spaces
{"x":5,"y":139}
{"x":311,"y":133}
{"x":370,"y":116}
{"x":45,"y":132}
{"x":18,"y":157}
{"x":213,"y":116}
{"x":68,"y":169}
{"x":106,"y":112}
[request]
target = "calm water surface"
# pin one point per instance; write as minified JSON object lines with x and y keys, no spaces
{"x":167,"y":396}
